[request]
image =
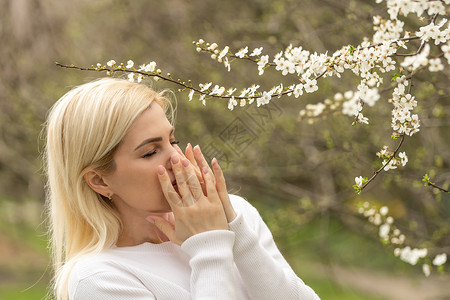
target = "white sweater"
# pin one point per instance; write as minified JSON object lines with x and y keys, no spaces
{"x":240,"y":263}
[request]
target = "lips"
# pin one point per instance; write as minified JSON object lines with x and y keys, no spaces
{"x":175,"y":186}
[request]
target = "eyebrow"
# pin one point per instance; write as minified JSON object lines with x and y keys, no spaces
{"x":153,"y":140}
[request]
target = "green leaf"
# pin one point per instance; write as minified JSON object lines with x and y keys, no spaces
{"x":426,"y":180}
{"x":351,"y":49}
{"x":394,"y":78}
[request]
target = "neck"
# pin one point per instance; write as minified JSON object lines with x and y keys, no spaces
{"x":137,"y":230}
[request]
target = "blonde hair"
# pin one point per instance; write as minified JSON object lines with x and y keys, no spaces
{"x":84,"y":129}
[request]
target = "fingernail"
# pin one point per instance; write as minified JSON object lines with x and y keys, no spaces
{"x":175,"y":159}
{"x":205,"y":170}
{"x":161,"y":170}
{"x":185,"y":162}
{"x":189,"y":145}
{"x":150,"y":220}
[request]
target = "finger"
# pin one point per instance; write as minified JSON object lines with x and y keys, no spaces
{"x":191,"y":158}
{"x":190,"y":155}
{"x":165,"y":226}
{"x":180,"y":177}
{"x":171,"y":195}
{"x":220,"y":179}
{"x":211,"y":190}
{"x":222,"y":190}
{"x":192,"y":180}
{"x":178,"y":149}
{"x":201,"y":161}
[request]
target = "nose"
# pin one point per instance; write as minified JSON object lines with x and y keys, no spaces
{"x":172,"y":152}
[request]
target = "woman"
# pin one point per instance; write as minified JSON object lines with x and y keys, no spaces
{"x":132,"y":217}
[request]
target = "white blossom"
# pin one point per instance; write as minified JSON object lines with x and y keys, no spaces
{"x":361,"y":119}
{"x":403,"y":158}
{"x":150,"y":67}
{"x":384,"y":231}
{"x":311,"y":86}
{"x":435,"y":65}
{"x":436,"y":7}
{"x":230,"y":91}
{"x":130,"y":64}
{"x":191,"y":94}
{"x":204,"y":87}
{"x":212,"y":47}
{"x":412,"y":256}
{"x":241,"y":53}
{"x":426,"y":269}
{"x":446,"y":49}
{"x":257,"y":51}
{"x":232,"y":103}
{"x":262,"y":63}
{"x":351,"y":107}
{"x":440,"y":259}
{"x":370,"y":96}
{"x":298,"y":90}
{"x":359,"y":181}
{"x":202,"y":99}
{"x":217,"y":90}
{"x":252,"y":90}
{"x":223,"y":53}
{"x":264,"y":99}
{"x":391,"y":165}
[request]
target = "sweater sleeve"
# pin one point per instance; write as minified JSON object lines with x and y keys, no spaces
{"x":212,"y":275}
{"x":265,"y":272}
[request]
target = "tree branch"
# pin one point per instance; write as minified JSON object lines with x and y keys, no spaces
{"x":388,"y":161}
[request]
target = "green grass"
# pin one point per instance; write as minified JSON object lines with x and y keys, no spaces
{"x":23,"y":273}
{"x":22,"y":292}
{"x":330,"y":290}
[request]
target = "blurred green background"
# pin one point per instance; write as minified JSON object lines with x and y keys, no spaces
{"x":299,"y":175}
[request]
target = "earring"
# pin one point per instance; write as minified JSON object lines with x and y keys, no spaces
{"x":109,"y":197}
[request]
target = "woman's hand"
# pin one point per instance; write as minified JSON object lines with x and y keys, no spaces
{"x":195,"y":156}
{"x":222,"y":190}
{"x":190,"y":156}
{"x":194,"y":212}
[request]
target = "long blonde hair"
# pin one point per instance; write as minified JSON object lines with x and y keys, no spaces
{"x":84,"y":129}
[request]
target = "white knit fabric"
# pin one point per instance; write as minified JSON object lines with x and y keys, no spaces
{"x":240,"y":263}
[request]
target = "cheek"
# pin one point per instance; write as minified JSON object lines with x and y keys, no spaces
{"x":136,"y":180}
{"x":145,"y":180}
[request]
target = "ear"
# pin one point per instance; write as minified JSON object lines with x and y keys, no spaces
{"x":97,"y":183}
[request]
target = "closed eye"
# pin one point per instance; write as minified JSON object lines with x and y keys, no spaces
{"x":154,"y":152}
{"x":149,"y":154}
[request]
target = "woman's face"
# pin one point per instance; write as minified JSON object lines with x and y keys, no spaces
{"x":150,"y":142}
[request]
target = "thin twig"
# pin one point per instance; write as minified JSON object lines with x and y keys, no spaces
{"x":437,"y":187}
{"x":388,"y":161}
{"x":412,"y":54}
{"x":178,"y":82}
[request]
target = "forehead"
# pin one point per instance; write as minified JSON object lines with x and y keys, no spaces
{"x":151,"y":123}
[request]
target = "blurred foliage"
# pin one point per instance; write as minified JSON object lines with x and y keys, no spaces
{"x":297,"y":173}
